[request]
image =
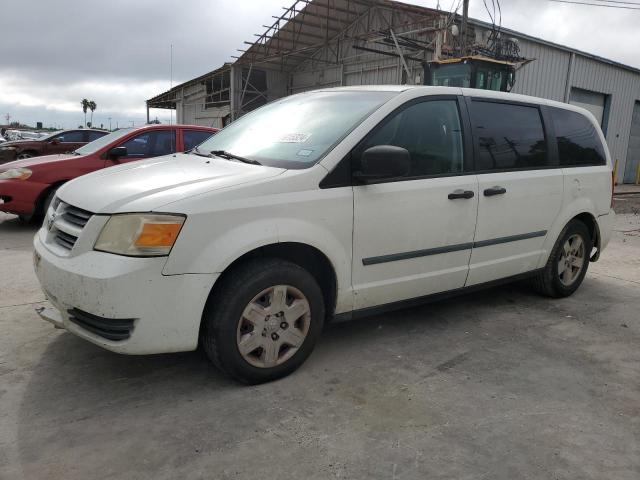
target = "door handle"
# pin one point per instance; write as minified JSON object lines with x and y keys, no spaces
{"x":461,"y":194}
{"x":490,"y":192}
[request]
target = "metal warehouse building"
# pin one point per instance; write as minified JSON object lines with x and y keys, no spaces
{"x":326,"y":43}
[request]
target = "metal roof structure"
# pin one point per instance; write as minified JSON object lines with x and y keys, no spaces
{"x":168,"y":99}
{"x":308,"y":26}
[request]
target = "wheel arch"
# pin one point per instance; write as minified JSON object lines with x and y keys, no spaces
{"x":582,"y":209}
{"x":38,"y":210}
{"x":592,"y":225}
{"x":310,"y":258}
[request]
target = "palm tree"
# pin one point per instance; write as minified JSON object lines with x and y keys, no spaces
{"x":85,"y":106}
{"x":92,"y":106}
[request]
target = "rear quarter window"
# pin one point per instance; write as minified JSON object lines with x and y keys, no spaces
{"x":578,"y":140}
{"x":193,"y":138}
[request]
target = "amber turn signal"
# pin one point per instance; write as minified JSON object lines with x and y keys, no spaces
{"x":158,"y":235}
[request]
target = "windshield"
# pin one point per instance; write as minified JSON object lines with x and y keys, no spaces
{"x":452,"y":75}
{"x":297,"y":131}
{"x":96,"y":145}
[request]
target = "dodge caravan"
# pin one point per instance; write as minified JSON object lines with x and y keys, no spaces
{"x":336,"y":203}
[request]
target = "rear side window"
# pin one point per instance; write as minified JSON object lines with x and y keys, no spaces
{"x":578,"y":140}
{"x":508,"y":136}
{"x":95,"y":135}
{"x":430,"y":131}
{"x":193,"y":138}
{"x":151,"y":144}
{"x":72,"y":137}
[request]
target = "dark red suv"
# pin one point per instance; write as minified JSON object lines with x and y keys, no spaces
{"x":27,"y":186}
{"x":58,"y":142}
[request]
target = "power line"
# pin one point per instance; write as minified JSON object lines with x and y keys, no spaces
{"x":597,"y":4}
{"x":618,"y":1}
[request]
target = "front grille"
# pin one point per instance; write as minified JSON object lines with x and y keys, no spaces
{"x":76,"y":216}
{"x":108,"y":328}
{"x":65,"y":240}
{"x":65,"y":223}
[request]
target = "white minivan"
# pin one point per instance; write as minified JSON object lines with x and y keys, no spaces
{"x":339,"y":203}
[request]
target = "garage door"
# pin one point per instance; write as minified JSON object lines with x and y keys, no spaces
{"x":592,"y":101}
{"x":633,"y":152}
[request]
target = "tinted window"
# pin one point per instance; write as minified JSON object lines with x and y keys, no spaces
{"x":71,"y":137}
{"x":194,"y":137}
{"x":508,"y":136}
{"x":430,"y":131}
{"x":151,"y":144}
{"x":578,"y":141}
{"x":95,"y":135}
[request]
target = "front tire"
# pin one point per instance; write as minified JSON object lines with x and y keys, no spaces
{"x":25,"y":155}
{"x":263,"y":320}
{"x":568,"y":262}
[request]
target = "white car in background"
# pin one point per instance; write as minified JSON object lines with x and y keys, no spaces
{"x":336,"y":203}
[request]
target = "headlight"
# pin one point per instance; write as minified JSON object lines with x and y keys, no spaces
{"x":16,"y":174}
{"x":8,"y":148}
{"x":140,"y":235}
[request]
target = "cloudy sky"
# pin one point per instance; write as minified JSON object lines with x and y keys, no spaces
{"x":117,"y":52}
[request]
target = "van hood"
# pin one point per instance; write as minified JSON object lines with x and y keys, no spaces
{"x":144,"y":186}
{"x":34,"y":161}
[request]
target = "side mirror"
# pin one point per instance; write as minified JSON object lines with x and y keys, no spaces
{"x":383,"y":162}
{"x":116,"y":153}
{"x":55,"y":141}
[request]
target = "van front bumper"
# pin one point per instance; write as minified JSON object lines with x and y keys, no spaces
{"x":123,"y":304}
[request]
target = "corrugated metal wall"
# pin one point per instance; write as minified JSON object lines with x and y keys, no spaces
{"x":547,"y":77}
{"x":190,"y":109}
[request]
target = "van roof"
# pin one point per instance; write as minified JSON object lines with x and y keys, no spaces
{"x":467,"y":92}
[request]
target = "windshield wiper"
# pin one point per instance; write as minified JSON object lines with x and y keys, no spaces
{"x":199,"y":153}
{"x":231,"y":156}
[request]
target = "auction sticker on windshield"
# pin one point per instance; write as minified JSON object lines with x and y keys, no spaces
{"x":294,"y":138}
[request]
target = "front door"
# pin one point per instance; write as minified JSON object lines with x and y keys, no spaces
{"x":520,"y":191}
{"x":413,"y":236}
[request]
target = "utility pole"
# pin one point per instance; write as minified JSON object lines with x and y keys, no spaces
{"x":109,"y":123}
{"x":463,"y":34}
{"x":8,"y":118}
{"x":171,"y":85}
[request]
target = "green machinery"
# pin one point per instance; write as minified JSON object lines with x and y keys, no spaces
{"x":475,"y":71}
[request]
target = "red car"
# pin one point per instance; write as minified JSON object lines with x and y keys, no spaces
{"x":58,"y":142}
{"x":27,"y":186}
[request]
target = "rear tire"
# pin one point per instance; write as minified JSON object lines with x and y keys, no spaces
{"x":568,"y":262}
{"x":25,"y":155}
{"x":263,"y":320}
